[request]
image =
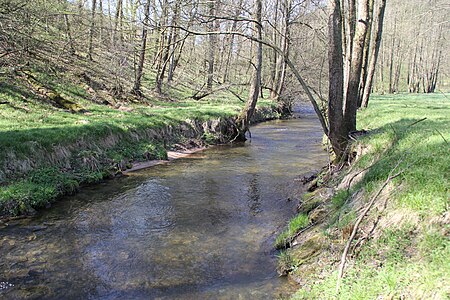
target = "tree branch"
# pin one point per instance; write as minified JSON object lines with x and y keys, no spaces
{"x":300,"y":79}
{"x":358,"y":222}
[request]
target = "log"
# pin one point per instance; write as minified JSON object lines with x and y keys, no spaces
{"x":53,"y":96}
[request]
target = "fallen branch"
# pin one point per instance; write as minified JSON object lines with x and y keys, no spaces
{"x":358,"y":222}
{"x":418,"y":121}
{"x":196,"y":96}
{"x":445,"y":140}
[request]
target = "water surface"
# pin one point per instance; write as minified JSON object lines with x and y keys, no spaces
{"x":196,"y":228}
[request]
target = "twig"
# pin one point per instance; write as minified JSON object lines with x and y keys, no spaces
{"x":418,"y":121}
{"x":442,"y":136}
{"x":359,"y":172}
{"x":291,"y":240}
{"x":358,"y":222}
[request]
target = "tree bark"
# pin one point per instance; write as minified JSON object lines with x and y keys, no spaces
{"x":349,"y":28}
{"x":91,"y":31}
{"x":212,"y":44}
{"x":374,"y":54}
{"x":69,"y":35}
{"x":286,"y":42}
{"x":367,"y":46}
{"x":337,"y":138}
{"x":243,"y":120}
{"x":351,"y":97}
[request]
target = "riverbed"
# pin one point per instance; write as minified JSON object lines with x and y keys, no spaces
{"x":200,"y":227}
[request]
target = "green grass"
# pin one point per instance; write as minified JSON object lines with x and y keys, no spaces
{"x":410,"y":259}
{"x":422,"y":148}
{"x":296,"y":224}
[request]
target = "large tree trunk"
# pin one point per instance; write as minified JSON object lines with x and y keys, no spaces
{"x":243,"y":120}
{"x":349,"y":28}
{"x":351,"y":97}
{"x":367,"y":46}
{"x":140,"y":67}
{"x":336,"y":80}
{"x":374,"y":54}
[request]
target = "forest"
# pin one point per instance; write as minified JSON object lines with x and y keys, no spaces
{"x":95,"y":91}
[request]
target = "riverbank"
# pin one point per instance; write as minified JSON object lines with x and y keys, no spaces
{"x":47,"y":152}
{"x":389,"y":209}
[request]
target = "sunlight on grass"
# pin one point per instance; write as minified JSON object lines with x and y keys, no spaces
{"x":411,"y":260}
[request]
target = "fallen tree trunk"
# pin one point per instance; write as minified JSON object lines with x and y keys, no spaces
{"x":55,"y":98}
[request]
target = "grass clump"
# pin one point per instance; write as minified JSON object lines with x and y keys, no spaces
{"x":295,"y":225}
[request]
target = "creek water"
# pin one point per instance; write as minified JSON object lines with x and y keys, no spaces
{"x":201,"y":227}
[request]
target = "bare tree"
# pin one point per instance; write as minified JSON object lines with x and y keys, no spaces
{"x":137,"y":82}
{"x":374,"y":54}
{"x":91,"y":31}
{"x":243,"y":120}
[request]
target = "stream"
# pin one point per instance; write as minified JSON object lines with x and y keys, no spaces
{"x":200,"y":227}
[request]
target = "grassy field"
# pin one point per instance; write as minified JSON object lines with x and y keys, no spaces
{"x":407,"y":255}
{"x":46,"y":151}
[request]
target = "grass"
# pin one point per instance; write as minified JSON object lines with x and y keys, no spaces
{"x":296,"y":224}
{"x":409,"y":259}
{"x":84,"y":147}
{"x":422,"y":148}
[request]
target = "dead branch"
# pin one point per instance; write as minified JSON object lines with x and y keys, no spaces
{"x":442,"y":136}
{"x":196,"y":96}
{"x":358,"y":222}
{"x":418,"y":121}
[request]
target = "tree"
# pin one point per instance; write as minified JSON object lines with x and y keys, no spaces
{"x":244,"y":117}
{"x":140,"y":67}
{"x":336,"y":134}
{"x":374,"y":54}
{"x":91,"y":31}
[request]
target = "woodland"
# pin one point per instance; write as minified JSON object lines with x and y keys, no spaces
{"x":88,"y":87}
{"x":278,"y":49}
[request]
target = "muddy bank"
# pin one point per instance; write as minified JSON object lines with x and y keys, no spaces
{"x":37,"y":180}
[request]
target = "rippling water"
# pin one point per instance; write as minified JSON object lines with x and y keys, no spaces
{"x":196,"y":228}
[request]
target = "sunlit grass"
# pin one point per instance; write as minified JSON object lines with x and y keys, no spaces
{"x":412,"y":259}
{"x":296,"y":224}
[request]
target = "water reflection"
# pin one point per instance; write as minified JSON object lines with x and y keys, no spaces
{"x":196,"y":228}
{"x":253,"y":196}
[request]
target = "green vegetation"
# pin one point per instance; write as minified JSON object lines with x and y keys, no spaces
{"x":409,"y":253}
{"x":402,"y":134}
{"x":46,"y":151}
{"x":296,"y":224}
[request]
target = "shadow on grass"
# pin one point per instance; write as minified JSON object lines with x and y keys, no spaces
{"x":420,"y":148}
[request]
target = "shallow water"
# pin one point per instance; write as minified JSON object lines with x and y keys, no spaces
{"x":196,"y":228}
